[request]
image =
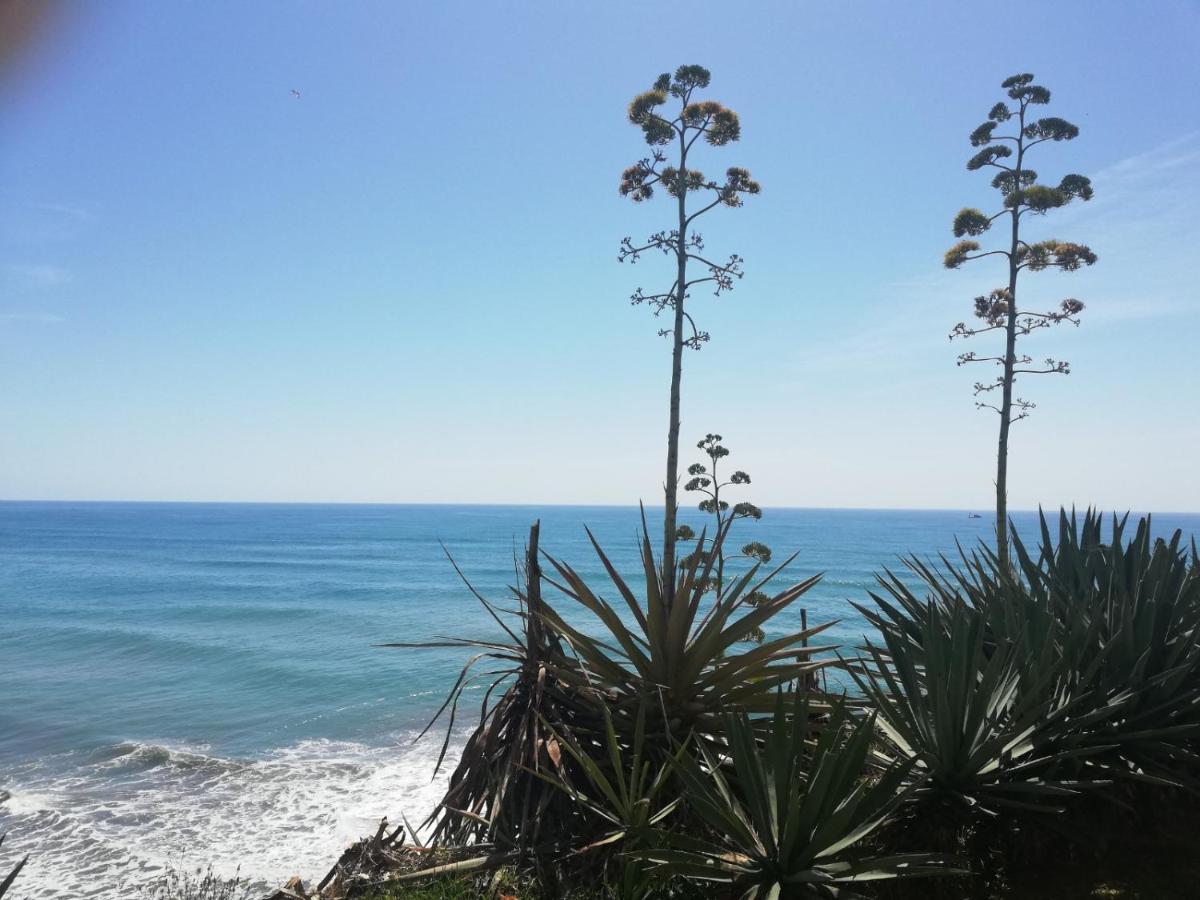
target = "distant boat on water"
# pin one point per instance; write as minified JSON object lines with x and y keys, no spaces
{"x":974,"y":516}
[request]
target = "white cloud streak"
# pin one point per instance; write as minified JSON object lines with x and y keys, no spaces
{"x":33,"y":318}
{"x":34,"y":276}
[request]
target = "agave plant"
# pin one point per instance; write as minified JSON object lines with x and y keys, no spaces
{"x":556,"y":681}
{"x":786,"y":817}
{"x":11,"y":876}
{"x":1137,"y":601}
{"x":1100,"y":635}
{"x":672,"y":652}
{"x":986,"y":725}
{"x":625,"y":793}
{"x":625,"y":786}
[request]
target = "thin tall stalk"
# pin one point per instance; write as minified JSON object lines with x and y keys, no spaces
{"x":998,"y":310}
{"x":718,"y":126}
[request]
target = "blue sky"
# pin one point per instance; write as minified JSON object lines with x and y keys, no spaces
{"x":403,"y":285}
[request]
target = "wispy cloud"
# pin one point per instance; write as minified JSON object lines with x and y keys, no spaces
{"x":34,"y":276}
{"x":1181,"y":153}
{"x":33,"y":318}
{"x":1151,"y":192}
{"x":28,"y":223}
{"x":1136,"y":309}
{"x":63,"y":210}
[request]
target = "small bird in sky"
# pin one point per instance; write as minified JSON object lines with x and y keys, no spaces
{"x":295,"y":93}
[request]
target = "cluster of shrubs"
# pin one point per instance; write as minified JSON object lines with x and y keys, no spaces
{"x":657,"y":754}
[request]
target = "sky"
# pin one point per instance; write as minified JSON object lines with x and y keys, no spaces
{"x":403,"y":286}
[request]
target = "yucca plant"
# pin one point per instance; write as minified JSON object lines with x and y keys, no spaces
{"x":987,"y":725}
{"x":494,"y":796}
{"x":786,"y":816}
{"x":1108,"y":627}
{"x":625,"y":794}
{"x":671,"y":653}
{"x":11,"y":876}
{"x":1138,"y":602}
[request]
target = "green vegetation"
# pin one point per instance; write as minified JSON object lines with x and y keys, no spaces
{"x":198,"y":884}
{"x":1083,"y":666}
{"x":1011,"y":723}
{"x":787,"y":814}
{"x":1158,"y":866}
{"x":662,"y":668}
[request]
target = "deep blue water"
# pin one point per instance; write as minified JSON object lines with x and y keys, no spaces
{"x":199,"y":682}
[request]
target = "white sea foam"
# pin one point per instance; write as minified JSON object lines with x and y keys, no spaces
{"x":111,"y":823}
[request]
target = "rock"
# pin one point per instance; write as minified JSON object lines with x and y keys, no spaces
{"x":293,"y":889}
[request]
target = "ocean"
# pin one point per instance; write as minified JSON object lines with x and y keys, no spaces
{"x":196,"y":684}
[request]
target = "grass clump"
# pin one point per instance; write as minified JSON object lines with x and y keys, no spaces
{"x":179,"y":883}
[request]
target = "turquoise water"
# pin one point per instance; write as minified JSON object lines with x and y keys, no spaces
{"x":197,"y":682}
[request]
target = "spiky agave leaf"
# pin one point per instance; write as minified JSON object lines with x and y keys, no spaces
{"x":786,"y":814}
{"x":670,"y":657}
{"x":672,"y":654}
{"x":986,"y":730}
{"x":624,"y":790}
{"x":1114,"y":619}
{"x":623,"y":782}
{"x":1140,"y":598}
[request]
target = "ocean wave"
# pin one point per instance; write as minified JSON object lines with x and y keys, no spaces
{"x":99,"y":825}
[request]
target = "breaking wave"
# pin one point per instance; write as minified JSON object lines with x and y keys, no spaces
{"x":100,"y":824}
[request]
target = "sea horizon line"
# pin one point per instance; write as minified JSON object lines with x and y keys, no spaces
{"x":983,"y":510}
